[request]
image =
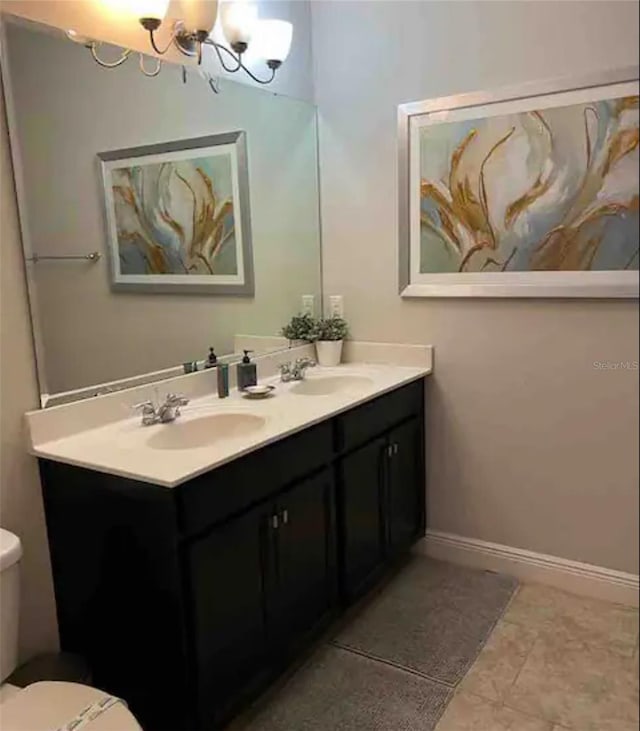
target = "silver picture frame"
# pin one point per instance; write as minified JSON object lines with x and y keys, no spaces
{"x":240,"y":284}
{"x":595,"y":284}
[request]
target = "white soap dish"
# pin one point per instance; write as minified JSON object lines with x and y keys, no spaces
{"x":259,"y":391}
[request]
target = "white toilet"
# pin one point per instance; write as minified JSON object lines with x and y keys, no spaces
{"x":48,"y":705}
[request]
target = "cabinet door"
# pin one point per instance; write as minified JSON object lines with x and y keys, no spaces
{"x":361,"y":516}
{"x":229,"y":639}
{"x":302,"y":576}
{"x":406,"y":486}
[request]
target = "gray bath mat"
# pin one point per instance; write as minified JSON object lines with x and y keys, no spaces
{"x":432,"y":619}
{"x":343,"y":691}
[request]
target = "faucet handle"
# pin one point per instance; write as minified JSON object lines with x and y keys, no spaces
{"x":176,"y":399}
{"x":144,"y":406}
{"x":148,"y":409}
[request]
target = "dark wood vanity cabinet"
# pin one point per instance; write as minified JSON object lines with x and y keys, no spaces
{"x":226,"y":574}
{"x":381,"y":504}
{"x":361,"y":478}
{"x":405,"y":493}
{"x":188,"y":601}
{"x":301,"y":590}
{"x":261,"y":583}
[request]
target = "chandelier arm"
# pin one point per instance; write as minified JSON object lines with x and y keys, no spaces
{"x":184,"y":52}
{"x":156,"y":48}
{"x":257,"y":79}
{"x":212,"y":84}
{"x":218,"y":47}
{"x":108,"y":64}
{"x":153,"y":72}
{"x":239,"y":63}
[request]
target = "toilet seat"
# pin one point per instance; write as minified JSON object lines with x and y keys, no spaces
{"x":50,"y":705}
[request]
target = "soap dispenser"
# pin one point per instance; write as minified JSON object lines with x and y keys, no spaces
{"x":212,"y":359}
{"x":246,"y":372}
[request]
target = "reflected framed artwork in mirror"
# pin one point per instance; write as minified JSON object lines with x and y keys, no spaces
{"x":178,"y":216}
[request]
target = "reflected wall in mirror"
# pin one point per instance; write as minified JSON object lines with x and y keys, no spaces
{"x":64,"y":111}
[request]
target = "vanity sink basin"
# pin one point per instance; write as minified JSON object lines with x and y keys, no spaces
{"x":204,"y":431}
{"x":327,"y":385}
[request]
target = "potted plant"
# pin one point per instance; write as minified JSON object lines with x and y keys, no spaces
{"x":329,"y":336}
{"x":300,"y":328}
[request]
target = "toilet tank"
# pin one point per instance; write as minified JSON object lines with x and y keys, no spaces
{"x":10,"y":553}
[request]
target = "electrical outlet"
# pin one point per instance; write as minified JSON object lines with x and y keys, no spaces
{"x":308,"y":304}
{"x":336,"y":306}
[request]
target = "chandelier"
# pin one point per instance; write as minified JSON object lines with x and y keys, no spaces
{"x":240,"y":25}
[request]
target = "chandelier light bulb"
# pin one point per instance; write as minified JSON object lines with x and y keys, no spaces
{"x":153,"y":9}
{"x":273,"y":40}
{"x":197,"y":16}
{"x":239,"y":21}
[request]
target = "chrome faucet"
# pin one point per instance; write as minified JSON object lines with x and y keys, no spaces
{"x":295,"y":370}
{"x":166,"y":412}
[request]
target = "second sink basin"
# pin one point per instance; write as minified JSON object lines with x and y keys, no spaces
{"x":327,"y":385}
{"x":204,"y":431}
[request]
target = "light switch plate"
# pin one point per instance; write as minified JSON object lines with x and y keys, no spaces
{"x":308,"y":304}
{"x":336,"y":306}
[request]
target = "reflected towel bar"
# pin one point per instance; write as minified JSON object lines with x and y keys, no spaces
{"x":93,"y":256}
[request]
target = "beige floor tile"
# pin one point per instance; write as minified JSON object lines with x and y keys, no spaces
{"x":468,"y":712}
{"x":581,"y":686}
{"x":570,"y":617}
{"x":606,"y":727}
{"x":500,"y":661}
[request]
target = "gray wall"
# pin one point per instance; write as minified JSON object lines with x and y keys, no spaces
{"x":68,"y":109}
{"x":20,"y":497}
{"x":529,"y":444}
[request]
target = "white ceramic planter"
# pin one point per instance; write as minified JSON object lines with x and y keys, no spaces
{"x":329,"y":352}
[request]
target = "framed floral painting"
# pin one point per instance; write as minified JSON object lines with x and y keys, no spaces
{"x":178,"y":218}
{"x":527,"y":192}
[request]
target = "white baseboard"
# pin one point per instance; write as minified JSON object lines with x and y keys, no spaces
{"x":572,"y":576}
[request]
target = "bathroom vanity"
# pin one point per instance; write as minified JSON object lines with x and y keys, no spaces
{"x":188,"y":599}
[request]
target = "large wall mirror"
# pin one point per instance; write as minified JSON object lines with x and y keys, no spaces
{"x":192,"y":217}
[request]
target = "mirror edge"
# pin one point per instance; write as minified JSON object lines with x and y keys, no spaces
{"x":21,"y":205}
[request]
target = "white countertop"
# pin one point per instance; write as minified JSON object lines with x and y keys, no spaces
{"x":125,"y":447}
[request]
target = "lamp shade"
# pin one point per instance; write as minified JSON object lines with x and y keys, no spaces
{"x":196,"y":14}
{"x":273,"y":39}
{"x":239,"y":20}
{"x":148,"y":8}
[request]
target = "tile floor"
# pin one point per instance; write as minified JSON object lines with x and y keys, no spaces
{"x":554,"y":661}
{"x":393,"y":660}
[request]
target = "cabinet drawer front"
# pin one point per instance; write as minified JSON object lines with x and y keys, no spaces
{"x":375,"y":417}
{"x":212,"y":497}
